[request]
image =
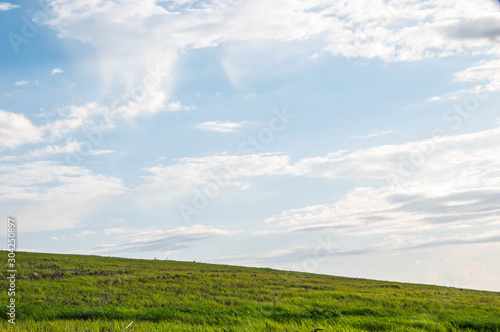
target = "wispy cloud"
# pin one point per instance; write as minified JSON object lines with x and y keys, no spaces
{"x":166,"y":184}
{"x":100,"y":152}
{"x":374,"y":134}
{"x":85,"y":234}
{"x":177,"y":105}
{"x":92,"y":115}
{"x":219,"y":126}
{"x":249,"y":96}
{"x":48,"y":150}
{"x":459,"y":239}
{"x":21,"y":83}
{"x":293,"y":255}
{"x":485,"y":71}
{"x":44,"y":190}
{"x":114,"y":231}
{"x":57,"y":71}
{"x":4,"y":6}
{"x":165,"y":240}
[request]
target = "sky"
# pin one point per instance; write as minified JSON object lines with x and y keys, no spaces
{"x":345,"y":137}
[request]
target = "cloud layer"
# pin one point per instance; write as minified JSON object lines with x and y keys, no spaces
{"x":169,"y":240}
{"x":48,"y":196}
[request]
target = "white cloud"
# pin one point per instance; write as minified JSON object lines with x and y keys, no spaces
{"x":57,"y":149}
{"x":249,"y":96}
{"x":487,"y":71}
{"x":374,"y":134}
{"x":57,"y":71}
{"x":5,"y":6}
{"x":92,"y":115}
{"x":50,"y":150}
{"x":21,"y":83}
{"x":167,"y":184}
{"x":397,"y":162}
{"x":114,"y":231}
{"x":219,"y":126}
{"x":28,"y":250}
{"x":404,"y":240}
{"x":48,"y":196}
{"x":16,"y":129}
{"x":86,"y":234}
{"x":178,"y":106}
{"x":100,"y":152}
{"x":411,"y":30}
{"x":132,"y":35}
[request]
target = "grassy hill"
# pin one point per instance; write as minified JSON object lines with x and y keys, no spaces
{"x":89,"y":293}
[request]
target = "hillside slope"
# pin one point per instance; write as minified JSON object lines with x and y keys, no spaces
{"x":90,"y":293}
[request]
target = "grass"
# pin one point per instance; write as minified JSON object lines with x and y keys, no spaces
{"x":90,"y":293}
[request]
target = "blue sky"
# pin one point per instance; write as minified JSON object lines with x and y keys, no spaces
{"x":353,"y":138}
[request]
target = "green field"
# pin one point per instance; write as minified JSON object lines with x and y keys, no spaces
{"x":89,"y":293}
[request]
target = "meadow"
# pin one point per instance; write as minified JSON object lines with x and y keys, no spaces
{"x":90,"y":293}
